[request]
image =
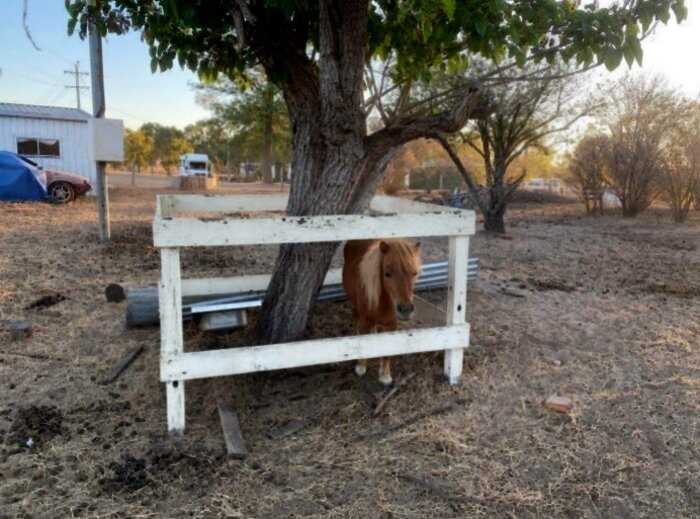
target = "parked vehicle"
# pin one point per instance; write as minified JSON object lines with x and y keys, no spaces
{"x":194,"y":164}
{"x":22,"y":179}
{"x":62,"y":187}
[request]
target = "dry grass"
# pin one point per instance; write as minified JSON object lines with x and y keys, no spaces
{"x":594,"y":325}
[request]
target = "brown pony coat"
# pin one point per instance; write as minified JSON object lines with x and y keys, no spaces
{"x":379,"y":278}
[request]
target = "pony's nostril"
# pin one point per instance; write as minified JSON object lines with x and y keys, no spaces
{"x":405,"y":308}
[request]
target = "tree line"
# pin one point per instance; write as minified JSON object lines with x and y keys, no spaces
{"x":249,"y":123}
{"x":644,"y":147}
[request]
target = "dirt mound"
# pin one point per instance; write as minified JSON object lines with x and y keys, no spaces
{"x":33,"y":426}
{"x":157,"y":467}
{"x":129,"y":475}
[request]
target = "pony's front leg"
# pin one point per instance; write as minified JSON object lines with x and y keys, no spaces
{"x":361,"y":366}
{"x":385,"y":371}
{"x":385,"y":362}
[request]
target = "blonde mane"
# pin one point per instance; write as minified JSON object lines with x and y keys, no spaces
{"x":371,"y":275}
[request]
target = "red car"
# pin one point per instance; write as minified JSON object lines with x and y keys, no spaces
{"x":62,"y":187}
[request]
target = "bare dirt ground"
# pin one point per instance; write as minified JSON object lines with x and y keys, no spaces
{"x":609,"y":318}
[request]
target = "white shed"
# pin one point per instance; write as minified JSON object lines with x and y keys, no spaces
{"x":55,"y":137}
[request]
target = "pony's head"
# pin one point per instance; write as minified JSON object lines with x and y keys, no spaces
{"x":401,"y":263}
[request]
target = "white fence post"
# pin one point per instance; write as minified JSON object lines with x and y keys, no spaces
{"x":457,"y":302}
{"x":171,"y":341}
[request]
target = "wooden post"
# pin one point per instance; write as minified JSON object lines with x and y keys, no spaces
{"x":456,"y":302}
{"x":171,"y":342}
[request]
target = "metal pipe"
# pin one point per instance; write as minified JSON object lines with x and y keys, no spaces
{"x":433,"y":275}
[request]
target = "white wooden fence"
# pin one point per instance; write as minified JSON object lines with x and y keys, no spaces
{"x":400,"y":219}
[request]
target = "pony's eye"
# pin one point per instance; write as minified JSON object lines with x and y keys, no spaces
{"x":387,"y":274}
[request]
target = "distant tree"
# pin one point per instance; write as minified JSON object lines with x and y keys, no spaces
{"x":175,"y":148}
{"x":680,"y":172}
{"x":640,"y":116}
{"x":523,"y":117}
{"x":586,"y":170}
{"x":138,"y":151}
{"x":398,"y":169}
{"x":162,"y":142}
{"x":214,"y":138}
{"x":253,"y":111}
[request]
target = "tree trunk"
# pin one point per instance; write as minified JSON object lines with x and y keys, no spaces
{"x":331,"y":168}
{"x":494,"y":221}
{"x":267,"y":114}
{"x":498,"y":198}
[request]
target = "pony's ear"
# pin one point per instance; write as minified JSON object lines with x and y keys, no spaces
{"x":416,"y":246}
{"x":384,"y":247}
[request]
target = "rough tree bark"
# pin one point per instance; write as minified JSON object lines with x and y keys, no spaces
{"x":494,"y":218}
{"x":328,"y":128}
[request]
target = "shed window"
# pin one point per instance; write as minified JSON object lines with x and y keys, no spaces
{"x":38,"y":147}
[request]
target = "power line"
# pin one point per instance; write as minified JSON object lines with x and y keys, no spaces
{"x":78,"y":87}
{"x":36,"y":80}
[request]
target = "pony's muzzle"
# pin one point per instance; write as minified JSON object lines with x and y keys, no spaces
{"x":404,"y":311}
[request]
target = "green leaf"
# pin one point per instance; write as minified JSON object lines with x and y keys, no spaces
{"x":637,"y":50}
{"x":613,"y":59}
{"x":449,"y":7}
{"x":71,"y":26}
{"x":154,"y":65}
{"x":680,"y":10}
{"x":629,"y":55}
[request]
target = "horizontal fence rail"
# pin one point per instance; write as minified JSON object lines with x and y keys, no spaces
{"x":238,"y":361}
{"x":193,"y":232}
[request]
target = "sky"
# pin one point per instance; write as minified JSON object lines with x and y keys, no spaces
{"x":136,"y":95}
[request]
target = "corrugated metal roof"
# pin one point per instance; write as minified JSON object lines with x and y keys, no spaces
{"x":56,"y":113}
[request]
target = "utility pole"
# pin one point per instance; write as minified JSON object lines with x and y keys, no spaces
{"x":98,"y":111}
{"x":78,"y":87}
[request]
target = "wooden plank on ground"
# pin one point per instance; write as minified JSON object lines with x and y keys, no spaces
{"x":235,"y":445}
{"x":121,"y":366}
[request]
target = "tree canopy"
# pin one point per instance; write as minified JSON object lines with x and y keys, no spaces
{"x":230,"y":37}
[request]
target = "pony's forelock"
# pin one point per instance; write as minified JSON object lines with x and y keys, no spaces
{"x":371,"y":267}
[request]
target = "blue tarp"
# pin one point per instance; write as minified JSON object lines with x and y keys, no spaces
{"x":20,"y":181}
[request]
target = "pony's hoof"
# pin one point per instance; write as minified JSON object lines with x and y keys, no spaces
{"x":386,"y":380}
{"x":360,"y":369}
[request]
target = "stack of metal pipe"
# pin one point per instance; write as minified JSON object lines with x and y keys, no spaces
{"x":433,"y":275}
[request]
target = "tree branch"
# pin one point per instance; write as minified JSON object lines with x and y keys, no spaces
{"x":408,"y":128}
{"x":466,"y":175}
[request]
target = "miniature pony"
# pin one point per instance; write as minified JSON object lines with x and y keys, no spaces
{"x":379,"y":279}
